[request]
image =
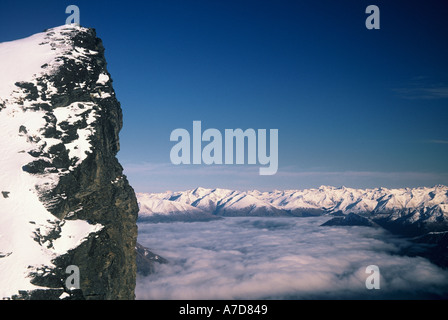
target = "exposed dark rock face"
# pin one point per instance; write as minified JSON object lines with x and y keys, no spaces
{"x":96,"y":190}
{"x":435,"y":247}
{"x":146,"y":260}
{"x":90,"y":186}
{"x":351,"y":219}
{"x":402,"y":223}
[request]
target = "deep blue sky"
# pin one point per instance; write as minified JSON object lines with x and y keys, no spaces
{"x":354,"y":107}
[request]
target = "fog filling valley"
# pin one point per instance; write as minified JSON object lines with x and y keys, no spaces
{"x":282,"y":258}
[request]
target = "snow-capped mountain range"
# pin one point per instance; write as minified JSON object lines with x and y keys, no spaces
{"x":415,"y":205}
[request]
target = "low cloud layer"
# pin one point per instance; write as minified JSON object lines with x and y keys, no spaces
{"x":282,"y":258}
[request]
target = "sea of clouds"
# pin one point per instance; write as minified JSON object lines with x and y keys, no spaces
{"x":282,"y":258}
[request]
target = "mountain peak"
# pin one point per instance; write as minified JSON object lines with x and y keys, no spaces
{"x":60,"y":179}
{"x":26,"y":59}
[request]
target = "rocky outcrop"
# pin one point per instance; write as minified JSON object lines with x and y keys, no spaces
{"x":351,"y":219}
{"x":76,"y":175}
{"x":147,"y":260}
{"x":435,"y":247}
{"x":97,"y":188}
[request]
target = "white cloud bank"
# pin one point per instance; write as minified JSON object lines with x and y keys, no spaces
{"x":282,"y":258}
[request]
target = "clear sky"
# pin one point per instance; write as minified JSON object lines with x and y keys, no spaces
{"x":354,"y":107}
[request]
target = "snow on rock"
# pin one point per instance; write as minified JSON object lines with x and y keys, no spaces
{"x":103,"y":79}
{"x":19,"y":63}
{"x":30,"y":236}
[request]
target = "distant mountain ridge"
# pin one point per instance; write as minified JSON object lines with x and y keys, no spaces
{"x":419,"y":208}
